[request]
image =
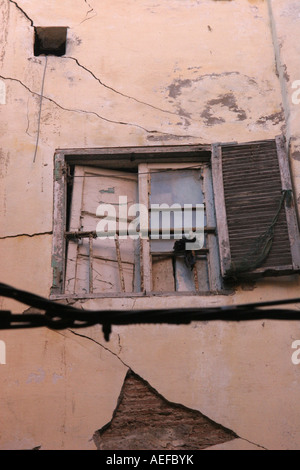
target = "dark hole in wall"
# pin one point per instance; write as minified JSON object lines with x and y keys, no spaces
{"x":50,"y":40}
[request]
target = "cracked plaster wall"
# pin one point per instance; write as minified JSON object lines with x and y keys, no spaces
{"x":176,"y":72}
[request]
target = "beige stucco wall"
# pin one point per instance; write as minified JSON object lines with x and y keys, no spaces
{"x":141,"y":73}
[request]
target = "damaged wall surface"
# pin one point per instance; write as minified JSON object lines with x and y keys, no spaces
{"x":142,"y":74}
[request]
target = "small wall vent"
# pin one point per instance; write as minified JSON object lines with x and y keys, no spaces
{"x":50,"y":40}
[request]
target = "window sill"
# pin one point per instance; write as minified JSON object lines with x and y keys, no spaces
{"x":140,"y":301}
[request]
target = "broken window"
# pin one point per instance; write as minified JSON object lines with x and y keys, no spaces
{"x":174,"y":266}
{"x":95,"y":264}
{"x":116,"y":258}
{"x":126,"y":220}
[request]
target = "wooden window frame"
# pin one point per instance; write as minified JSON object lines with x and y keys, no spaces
{"x":214,"y":278}
{"x":143,"y":159}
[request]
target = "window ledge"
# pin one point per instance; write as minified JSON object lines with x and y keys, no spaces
{"x":140,"y":301}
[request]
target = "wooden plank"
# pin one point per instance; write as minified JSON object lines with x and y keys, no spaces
{"x":290,"y":208}
{"x":162,"y":274}
{"x":196,"y":281}
{"x":149,"y":149}
{"x":131,"y":157}
{"x":75,"y":224}
{"x":59,"y":224}
{"x":213,"y":259}
{"x":220,"y":209}
{"x":146,"y":262}
{"x":122,"y":281}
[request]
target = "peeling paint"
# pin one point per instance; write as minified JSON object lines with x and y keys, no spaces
{"x":285,"y":73}
{"x":108,"y":190}
{"x":296,"y":155}
{"x":209,"y":118}
{"x":93,"y":113}
{"x":276,"y":118}
{"x":175,"y":87}
{"x":164,"y":138}
{"x":229,"y":100}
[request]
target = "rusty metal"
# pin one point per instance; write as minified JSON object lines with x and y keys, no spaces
{"x":93,"y":233}
{"x":121,"y":273}
{"x":196,"y":281}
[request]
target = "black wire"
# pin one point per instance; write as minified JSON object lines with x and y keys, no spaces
{"x":61,"y":316}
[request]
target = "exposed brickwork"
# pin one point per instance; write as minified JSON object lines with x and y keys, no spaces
{"x":144,"y":420}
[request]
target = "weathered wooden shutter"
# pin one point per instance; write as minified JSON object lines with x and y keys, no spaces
{"x":257,"y":225}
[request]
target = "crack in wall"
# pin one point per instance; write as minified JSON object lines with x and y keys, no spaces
{"x":119,"y":344}
{"x":253,"y":443}
{"x":119,"y":92}
{"x":23,"y":12}
{"x":130,"y":370}
{"x":26,"y":235}
{"x":95,"y":77}
{"x":90,"y":6}
{"x":152,"y":131}
{"x":90,"y":11}
{"x":99,"y":344}
{"x":112,"y":89}
{"x":28,"y":121}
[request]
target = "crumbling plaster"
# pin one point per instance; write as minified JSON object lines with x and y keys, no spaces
{"x":178,"y":72}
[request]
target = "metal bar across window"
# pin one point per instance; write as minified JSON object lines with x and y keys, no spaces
{"x":93,"y":233}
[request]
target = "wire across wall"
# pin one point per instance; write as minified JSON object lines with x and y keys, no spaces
{"x":57,"y":316}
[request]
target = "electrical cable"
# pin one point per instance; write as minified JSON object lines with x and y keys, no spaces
{"x":61,"y":316}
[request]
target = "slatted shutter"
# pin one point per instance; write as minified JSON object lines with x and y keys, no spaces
{"x":255,"y":209}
